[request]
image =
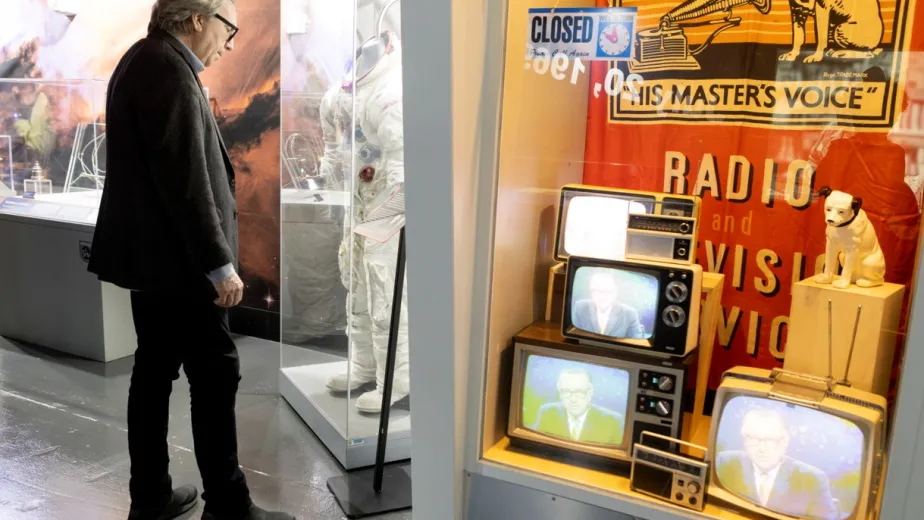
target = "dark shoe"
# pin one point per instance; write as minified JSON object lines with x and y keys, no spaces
{"x":255,"y":513}
{"x":183,"y":499}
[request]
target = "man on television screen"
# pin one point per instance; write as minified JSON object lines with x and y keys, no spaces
{"x":763,"y":473}
{"x":574,"y":417}
{"x":602,"y":314}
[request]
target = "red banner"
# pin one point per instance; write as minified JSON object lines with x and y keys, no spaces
{"x":755,"y":125}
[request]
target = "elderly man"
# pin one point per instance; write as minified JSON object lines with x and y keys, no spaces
{"x":167,"y":230}
{"x":763,"y":473}
{"x":574,"y":417}
{"x":602,"y":314}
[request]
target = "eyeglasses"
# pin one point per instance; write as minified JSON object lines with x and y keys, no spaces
{"x":231,"y":27}
{"x":567,"y":394}
{"x":754,"y":441}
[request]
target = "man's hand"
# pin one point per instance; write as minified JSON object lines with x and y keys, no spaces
{"x":230,"y":291}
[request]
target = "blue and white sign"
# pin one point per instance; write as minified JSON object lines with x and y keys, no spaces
{"x":604,"y":33}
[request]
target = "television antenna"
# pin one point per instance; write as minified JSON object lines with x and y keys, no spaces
{"x":853,"y":342}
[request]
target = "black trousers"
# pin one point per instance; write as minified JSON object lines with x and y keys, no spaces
{"x":173,"y":331}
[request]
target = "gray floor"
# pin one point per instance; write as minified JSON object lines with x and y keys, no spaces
{"x":63,"y":452}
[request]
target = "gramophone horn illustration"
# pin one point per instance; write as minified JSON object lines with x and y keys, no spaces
{"x":665,"y":47}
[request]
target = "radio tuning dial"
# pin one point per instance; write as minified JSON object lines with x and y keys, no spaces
{"x":677,"y":292}
{"x":663,"y":408}
{"x":684,"y":227}
{"x":665,"y":384}
{"x":673,"y":316}
{"x":693,"y":488}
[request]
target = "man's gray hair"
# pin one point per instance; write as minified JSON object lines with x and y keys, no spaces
{"x":175,"y":16}
{"x":577,"y":371}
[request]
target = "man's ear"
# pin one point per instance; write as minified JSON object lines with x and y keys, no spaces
{"x":197,"y":22}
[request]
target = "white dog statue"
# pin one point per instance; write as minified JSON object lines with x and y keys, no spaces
{"x":851,"y":240}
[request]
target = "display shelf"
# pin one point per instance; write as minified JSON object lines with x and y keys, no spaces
{"x":595,"y":487}
{"x":48,"y":246}
{"x":713,"y":284}
{"x":350,"y":436}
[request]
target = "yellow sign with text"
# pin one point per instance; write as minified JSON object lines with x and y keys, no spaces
{"x":759,"y":63}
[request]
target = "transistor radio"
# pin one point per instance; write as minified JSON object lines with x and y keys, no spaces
{"x":661,"y":238}
{"x":675,"y":478}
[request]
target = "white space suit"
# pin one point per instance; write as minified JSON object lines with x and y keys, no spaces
{"x":375,"y":171}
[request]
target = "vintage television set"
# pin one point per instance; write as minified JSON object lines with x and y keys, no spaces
{"x":651,"y":306}
{"x":593,"y":221}
{"x":571,"y":399}
{"x":791,"y":446}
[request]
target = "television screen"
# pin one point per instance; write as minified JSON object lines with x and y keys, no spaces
{"x":595,"y":226}
{"x":615,"y":303}
{"x":575,"y":401}
{"x":790,"y":459}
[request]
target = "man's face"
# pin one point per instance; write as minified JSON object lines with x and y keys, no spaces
{"x":603,"y":291}
{"x":765,"y":440}
{"x":210,"y":40}
{"x":575,"y":392}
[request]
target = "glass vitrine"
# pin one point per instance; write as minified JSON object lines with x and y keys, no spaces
{"x":52,"y":170}
{"x":52,"y":147}
{"x":342,"y":157}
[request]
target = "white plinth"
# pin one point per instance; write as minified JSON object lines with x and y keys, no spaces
{"x":349,"y":435}
{"x":47,"y":296}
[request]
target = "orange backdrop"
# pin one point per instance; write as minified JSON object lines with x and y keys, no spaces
{"x":760,"y":225}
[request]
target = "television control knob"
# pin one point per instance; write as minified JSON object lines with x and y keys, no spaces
{"x":673,"y":316}
{"x":663,"y":408}
{"x":693,"y":488}
{"x":676,"y":292}
{"x":665,"y":384}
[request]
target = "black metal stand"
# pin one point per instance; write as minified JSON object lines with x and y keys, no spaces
{"x":360,"y":493}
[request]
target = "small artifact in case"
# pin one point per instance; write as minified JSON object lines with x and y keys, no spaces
{"x":673,"y":477}
{"x":38,"y":184}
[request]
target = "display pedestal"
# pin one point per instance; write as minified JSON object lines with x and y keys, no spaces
{"x":349,"y":435}
{"x":355,"y":494}
{"x":47,"y":296}
{"x":877,"y":332}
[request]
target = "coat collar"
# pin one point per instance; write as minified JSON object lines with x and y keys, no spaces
{"x":191,"y":59}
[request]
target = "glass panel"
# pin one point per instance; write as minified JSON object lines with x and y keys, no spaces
{"x":377,"y":172}
{"x":52,"y":147}
{"x":805,"y":160}
{"x":342,"y":157}
{"x":317,"y":46}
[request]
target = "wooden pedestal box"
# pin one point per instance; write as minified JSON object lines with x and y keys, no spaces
{"x":877,"y":332}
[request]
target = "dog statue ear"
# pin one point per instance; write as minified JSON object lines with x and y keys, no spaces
{"x":856,"y":204}
{"x":824,"y":191}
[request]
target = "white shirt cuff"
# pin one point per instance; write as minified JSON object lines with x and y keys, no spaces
{"x":221,"y":274}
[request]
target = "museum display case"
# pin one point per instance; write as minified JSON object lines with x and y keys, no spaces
{"x":53,"y":144}
{"x":53,"y":164}
{"x":342,"y":158}
{"x":801,"y":294}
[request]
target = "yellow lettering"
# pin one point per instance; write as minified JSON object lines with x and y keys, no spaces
{"x":727,"y":326}
{"x":776,"y":331}
{"x":676,"y":168}
{"x":765,"y":259}
{"x":738,"y":186}
{"x":708,"y":177}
